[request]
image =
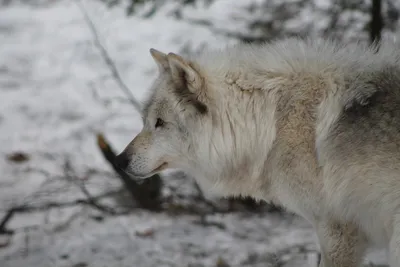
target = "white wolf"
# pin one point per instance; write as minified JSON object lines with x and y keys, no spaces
{"x":313,"y":126}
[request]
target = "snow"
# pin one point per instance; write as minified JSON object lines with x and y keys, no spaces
{"x":175,"y":242}
{"x":57,"y":93}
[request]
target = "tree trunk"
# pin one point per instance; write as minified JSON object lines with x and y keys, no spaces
{"x":376,"y":24}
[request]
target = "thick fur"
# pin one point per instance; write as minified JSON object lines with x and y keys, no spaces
{"x":313,"y":126}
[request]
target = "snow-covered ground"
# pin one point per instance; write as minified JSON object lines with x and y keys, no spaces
{"x":56,"y":93}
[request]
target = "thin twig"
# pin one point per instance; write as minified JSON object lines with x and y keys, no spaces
{"x":70,"y":175}
{"x":24,"y":208}
{"x":201,"y":197}
{"x":108,"y":60}
{"x":91,"y":200}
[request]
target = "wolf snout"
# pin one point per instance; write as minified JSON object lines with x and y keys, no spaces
{"x":122,"y":161}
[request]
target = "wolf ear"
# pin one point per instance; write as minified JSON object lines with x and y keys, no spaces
{"x":184,"y":74}
{"x":189,"y":83}
{"x":160,"y":58}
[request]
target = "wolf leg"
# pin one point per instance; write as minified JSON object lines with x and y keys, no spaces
{"x":342,"y":245}
{"x":394,"y":246}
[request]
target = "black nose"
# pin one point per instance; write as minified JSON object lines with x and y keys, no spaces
{"x":122,"y":161}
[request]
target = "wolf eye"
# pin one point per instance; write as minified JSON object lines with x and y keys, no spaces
{"x":159,"y":123}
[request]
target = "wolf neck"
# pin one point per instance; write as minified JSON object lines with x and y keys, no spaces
{"x":266,"y":128}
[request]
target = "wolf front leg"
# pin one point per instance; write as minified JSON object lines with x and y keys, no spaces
{"x":394,"y":246}
{"x":394,"y":254}
{"x":342,"y":245}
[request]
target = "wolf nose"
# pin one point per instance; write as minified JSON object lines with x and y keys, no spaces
{"x":122,"y":161}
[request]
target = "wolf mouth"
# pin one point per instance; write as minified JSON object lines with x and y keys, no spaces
{"x":144,"y":176}
{"x":160,"y":168}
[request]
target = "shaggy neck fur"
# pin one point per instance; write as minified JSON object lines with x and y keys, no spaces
{"x":252,"y":100}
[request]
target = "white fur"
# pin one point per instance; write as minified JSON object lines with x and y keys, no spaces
{"x":266,"y":133}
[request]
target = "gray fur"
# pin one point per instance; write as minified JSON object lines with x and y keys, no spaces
{"x":310,"y":125}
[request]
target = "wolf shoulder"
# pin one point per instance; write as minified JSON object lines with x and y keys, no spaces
{"x":369,"y":119}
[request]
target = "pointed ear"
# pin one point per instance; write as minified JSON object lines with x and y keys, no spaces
{"x":183,"y":73}
{"x":160,"y":58}
{"x":189,"y":84}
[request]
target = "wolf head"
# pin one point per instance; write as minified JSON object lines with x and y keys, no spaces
{"x":204,"y":118}
{"x":176,"y":108}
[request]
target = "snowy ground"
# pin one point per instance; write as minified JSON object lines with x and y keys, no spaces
{"x":56,"y":93}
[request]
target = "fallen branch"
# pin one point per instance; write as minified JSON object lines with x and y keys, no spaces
{"x":5,"y":220}
{"x":108,"y":60}
{"x":201,"y":197}
{"x":90,"y":200}
{"x":25,"y":208}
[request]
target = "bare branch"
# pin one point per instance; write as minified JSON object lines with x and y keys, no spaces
{"x":108,"y":60}
{"x":201,"y":197}
{"x":25,"y":208}
{"x":71,"y":176}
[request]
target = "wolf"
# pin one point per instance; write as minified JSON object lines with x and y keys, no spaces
{"x":309,"y":125}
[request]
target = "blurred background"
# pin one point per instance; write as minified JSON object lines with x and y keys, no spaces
{"x":71,"y":75}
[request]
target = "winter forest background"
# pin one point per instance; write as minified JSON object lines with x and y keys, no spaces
{"x":71,"y":72}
